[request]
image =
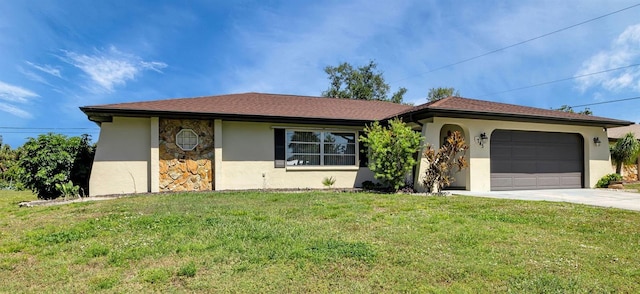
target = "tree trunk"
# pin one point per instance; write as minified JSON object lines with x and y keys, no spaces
{"x":618,"y":167}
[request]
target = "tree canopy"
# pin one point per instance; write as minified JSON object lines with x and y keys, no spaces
{"x":362,"y":83}
{"x":52,"y":159}
{"x":624,"y":151}
{"x":567,"y":108}
{"x":436,"y":94}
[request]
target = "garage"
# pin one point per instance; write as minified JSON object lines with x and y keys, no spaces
{"x":523,"y":160}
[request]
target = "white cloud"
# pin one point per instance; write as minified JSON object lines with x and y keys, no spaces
{"x":14,"y":110}
{"x":13,"y":93}
{"x":111,"y":68}
{"x":624,"y":51}
{"x":32,"y":75}
{"x":46,"y":69}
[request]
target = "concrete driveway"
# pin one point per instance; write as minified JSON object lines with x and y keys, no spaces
{"x":596,"y":197}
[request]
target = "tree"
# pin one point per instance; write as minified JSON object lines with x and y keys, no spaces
{"x":436,"y":94}
{"x":624,"y":151}
{"x":8,"y":167}
{"x":55,"y":159}
{"x":567,"y":108}
{"x":441,"y":164}
{"x":363,"y":83}
{"x":8,"y":157}
{"x":391,"y":151}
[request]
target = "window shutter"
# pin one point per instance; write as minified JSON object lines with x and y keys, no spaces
{"x":363,"y":157}
{"x":279,"y":147}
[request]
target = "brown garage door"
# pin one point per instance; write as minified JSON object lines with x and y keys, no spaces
{"x":536,"y":160}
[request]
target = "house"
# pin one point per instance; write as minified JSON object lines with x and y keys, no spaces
{"x":257,"y":141}
{"x":629,"y":172}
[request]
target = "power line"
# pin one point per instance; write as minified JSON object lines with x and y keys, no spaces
{"x":21,"y":128}
{"x":521,"y":42}
{"x":36,"y":132}
{"x":605,"y":102}
{"x":560,"y":80}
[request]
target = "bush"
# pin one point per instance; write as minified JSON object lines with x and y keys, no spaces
{"x":55,"y":159}
{"x":328,"y":182}
{"x":441,"y":163}
{"x":391,"y":151}
{"x":604,"y":181}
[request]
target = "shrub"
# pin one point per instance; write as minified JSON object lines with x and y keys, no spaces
{"x":328,"y":181}
{"x":604,"y":181}
{"x":55,"y":159}
{"x":68,"y":189}
{"x":391,"y":151}
{"x":440,"y":166}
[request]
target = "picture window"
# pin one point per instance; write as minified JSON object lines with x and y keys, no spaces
{"x":320,"y":148}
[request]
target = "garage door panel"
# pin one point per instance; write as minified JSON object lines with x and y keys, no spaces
{"x":523,"y":137}
{"x":548,"y":181}
{"x":547,"y":167}
{"x":523,"y":152}
{"x":572,"y":179}
{"x":498,"y":182}
{"x":503,"y":152}
{"x":570,"y":166}
{"x":525,"y":181}
{"x":525,"y":166}
{"x":536,"y":160}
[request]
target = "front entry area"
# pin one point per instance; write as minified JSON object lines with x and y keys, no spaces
{"x":524,"y":160}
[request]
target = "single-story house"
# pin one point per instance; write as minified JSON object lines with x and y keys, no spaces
{"x":629,"y":172}
{"x":271,"y":141}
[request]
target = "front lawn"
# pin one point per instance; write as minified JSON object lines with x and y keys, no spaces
{"x":253,"y":242}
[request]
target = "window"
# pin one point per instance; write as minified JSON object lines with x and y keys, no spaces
{"x":187,"y":139}
{"x":320,"y":148}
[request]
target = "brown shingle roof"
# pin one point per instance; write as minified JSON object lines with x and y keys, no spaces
{"x":260,"y":104}
{"x":481,"y":107}
{"x":619,"y":132}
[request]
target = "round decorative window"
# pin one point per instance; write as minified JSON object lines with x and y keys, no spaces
{"x":187,"y":139}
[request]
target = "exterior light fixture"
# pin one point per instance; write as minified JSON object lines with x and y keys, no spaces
{"x":596,"y":141}
{"x":482,"y":139}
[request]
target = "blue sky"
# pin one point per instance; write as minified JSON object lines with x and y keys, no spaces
{"x":56,"y":56}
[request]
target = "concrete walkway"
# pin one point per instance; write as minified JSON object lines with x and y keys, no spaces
{"x":595,"y":197}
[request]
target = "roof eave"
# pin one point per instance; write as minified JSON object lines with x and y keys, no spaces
{"x":428,"y":113}
{"x":99,"y":115}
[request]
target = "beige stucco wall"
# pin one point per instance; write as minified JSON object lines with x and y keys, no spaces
{"x":121,"y":163}
{"x":247,"y":161}
{"x":597,"y":162}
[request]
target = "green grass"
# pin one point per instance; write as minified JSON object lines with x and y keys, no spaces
{"x":316,"y":242}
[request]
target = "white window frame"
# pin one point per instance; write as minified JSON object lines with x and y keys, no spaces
{"x":184,"y":131}
{"x":322,"y":155}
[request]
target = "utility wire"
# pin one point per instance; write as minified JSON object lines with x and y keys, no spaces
{"x":21,"y":128}
{"x":64,"y":133}
{"x":606,"y":102}
{"x":560,"y":80}
{"x":521,"y":42}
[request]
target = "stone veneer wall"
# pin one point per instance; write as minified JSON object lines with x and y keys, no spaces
{"x":186,"y":170}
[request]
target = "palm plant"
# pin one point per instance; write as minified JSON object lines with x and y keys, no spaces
{"x":624,"y":151}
